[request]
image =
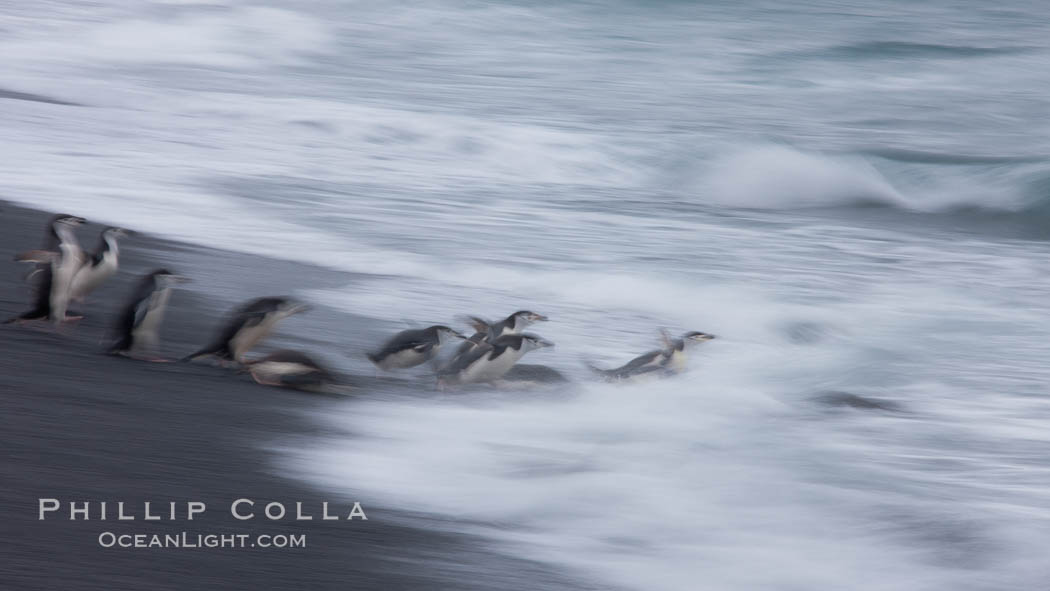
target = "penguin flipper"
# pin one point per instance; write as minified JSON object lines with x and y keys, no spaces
{"x":141,"y":309}
{"x":666,"y":339}
{"x":37,"y":256}
{"x":479,"y":324}
{"x":461,"y":362}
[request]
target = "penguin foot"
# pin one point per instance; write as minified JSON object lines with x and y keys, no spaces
{"x":20,"y":321}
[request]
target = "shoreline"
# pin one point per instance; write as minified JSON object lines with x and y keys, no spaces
{"x":79,"y":425}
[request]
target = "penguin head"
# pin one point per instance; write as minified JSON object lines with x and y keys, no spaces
{"x":444,"y":333}
{"x":67,"y":219}
{"x":115,"y":232}
{"x":165,"y":278}
{"x":527,"y":317}
{"x":530,"y":342}
{"x":694,"y":337}
{"x":288,"y":306}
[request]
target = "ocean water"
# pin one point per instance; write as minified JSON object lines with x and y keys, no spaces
{"x":855,"y":197}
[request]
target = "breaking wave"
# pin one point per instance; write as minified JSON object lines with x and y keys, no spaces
{"x":779,"y":177}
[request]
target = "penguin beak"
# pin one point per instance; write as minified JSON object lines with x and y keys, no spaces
{"x":544,"y":343}
{"x":703,"y":337}
{"x":538,"y":318}
{"x":300,"y":308}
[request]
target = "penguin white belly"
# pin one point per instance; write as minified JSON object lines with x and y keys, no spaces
{"x":403,"y":359}
{"x":271,"y":372}
{"x":146,"y":333}
{"x":62,"y":272}
{"x":486,"y":370}
{"x":247,"y":338}
{"x":676,"y":363}
{"x":89,"y":277}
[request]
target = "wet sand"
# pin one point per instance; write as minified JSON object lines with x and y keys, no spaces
{"x":77,"y":425}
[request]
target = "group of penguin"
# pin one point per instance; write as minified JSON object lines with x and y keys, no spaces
{"x":64,"y":275}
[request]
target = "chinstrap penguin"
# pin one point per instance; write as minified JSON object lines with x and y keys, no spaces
{"x":49,"y":250}
{"x":482,"y":334}
{"x":55,"y":266}
{"x":100,"y":267}
{"x":490,"y":361}
{"x":248,"y":325}
{"x":668,"y":360}
{"x":487,"y":332}
{"x":412,"y":347}
{"x":290,"y":369}
{"x":138,"y":326}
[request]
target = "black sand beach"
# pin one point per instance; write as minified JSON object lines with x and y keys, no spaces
{"x":77,"y":425}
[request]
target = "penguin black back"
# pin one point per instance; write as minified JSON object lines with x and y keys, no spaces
{"x":412,"y":347}
{"x":248,"y":315}
{"x":653,"y":361}
{"x":413,"y":338}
